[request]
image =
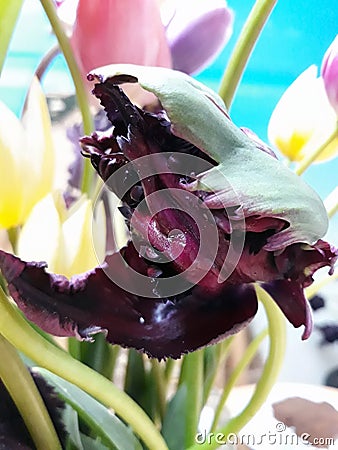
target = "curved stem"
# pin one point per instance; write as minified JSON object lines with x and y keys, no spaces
{"x":244,"y":46}
{"x":26,"y":396}
{"x":16,"y":330}
{"x":222,"y":350}
{"x":312,"y":156}
{"x":46,"y":61}
{"x":277,"y":334}
{"x":81,"y":93}
{"x":244,"y":362}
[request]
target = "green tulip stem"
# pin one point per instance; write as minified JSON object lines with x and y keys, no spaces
{"x":13,"y":234}
{"x":313,"y":155}
{"x":23,"y":391}
{"x":243,"y":48}
{"x":81,"y":93}
{"x":221,"y":350}
{"x":248,"y":356}
{"x":46,"y":60}
{"x":277,"y":335}
{"x":192,"y":378}
{"x":170,"y":365}
{"x":17,"y":331}
{"x":160,"y":386}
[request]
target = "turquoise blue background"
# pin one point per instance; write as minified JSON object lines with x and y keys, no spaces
{"x":296,"y":36}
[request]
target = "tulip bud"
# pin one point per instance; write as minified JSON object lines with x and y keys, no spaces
{"x":111,"y":31}
{"x":329,"y":72}
{"x":197,"y":32}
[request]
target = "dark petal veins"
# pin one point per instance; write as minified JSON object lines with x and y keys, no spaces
{"x":289,"y":296}
{"x":92,"y":302}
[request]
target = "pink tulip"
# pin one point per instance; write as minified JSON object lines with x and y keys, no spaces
{"x":329,"y":73}
{"x":119,"y":31}
{"x":189,"y":36}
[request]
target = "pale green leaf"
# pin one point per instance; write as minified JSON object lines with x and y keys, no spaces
{"x":173,"y":428}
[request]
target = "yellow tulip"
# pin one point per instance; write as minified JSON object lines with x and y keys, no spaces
{"x":303,"y":119}
{"x":71,"y":241}
{"x":26,"y":158}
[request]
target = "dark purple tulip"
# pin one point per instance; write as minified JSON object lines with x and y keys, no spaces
{"x":198,"y":241}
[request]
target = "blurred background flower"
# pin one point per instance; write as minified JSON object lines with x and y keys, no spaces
{"x":148,"y":32}
{"x":110,"y":31}
{"x":70,"y":240}
{"x":26,"y":158}
{"x":197,"y":32}
{"x":303,"y":119}
{"x":329,"y":72}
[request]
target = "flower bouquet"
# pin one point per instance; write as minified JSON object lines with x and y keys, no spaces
{"x":174,"y":224}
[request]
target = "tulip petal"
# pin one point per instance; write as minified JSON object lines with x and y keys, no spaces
{"x":39,"y":151}
{"x":329,"y":71}
{"x":298,"y":263}
{"x":117,"y":31}
{"x":243,"y":175}
{"x":160,"y":327}
{"x":12,"y":146}
{"x":289,"y":296}
{"x":197,"y":32}
{"x":303,"y":118}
